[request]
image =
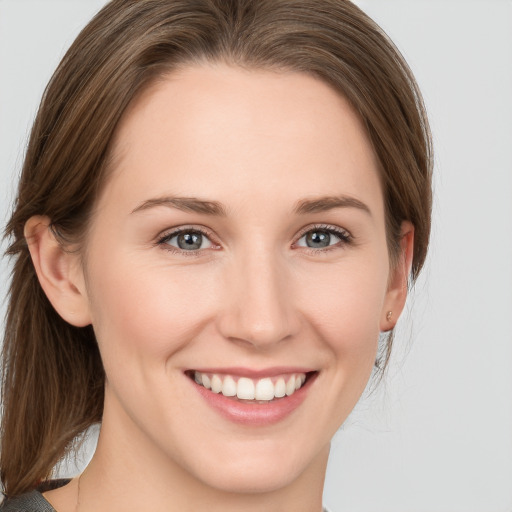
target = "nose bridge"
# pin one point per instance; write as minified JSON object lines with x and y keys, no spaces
{"x":260,"y":308}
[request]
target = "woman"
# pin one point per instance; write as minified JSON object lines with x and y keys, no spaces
{"x":221,"y":206}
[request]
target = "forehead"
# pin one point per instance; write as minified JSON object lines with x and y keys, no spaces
{"x":225,"y":131}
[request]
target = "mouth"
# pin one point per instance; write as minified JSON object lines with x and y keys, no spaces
{"x":253,"y":398}
{"x":245,"y":389}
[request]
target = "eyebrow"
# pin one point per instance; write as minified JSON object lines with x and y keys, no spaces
{"x":326,"y":203}
{"x":302,"y":207}
{"x":186,"y":204}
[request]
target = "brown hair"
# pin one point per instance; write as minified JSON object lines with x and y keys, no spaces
{"x":52,"y":372}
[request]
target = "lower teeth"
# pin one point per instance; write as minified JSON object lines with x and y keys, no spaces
{"x":253,"y":401}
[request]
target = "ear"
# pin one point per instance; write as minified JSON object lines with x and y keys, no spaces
{"x":59,"y":272}
{"x":398,"y":280}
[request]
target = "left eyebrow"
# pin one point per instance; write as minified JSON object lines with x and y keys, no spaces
{"x":326,"y":203}
{"x":186,"y":204}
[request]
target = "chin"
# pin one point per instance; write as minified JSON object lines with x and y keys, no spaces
{"x":252,"y":479}
{"x":259,"y":470}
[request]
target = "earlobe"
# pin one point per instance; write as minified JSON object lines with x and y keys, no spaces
{"x":399,"y":279}
{"x":59,"y":272}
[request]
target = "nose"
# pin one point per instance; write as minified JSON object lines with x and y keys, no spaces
{"x":258,"y":306}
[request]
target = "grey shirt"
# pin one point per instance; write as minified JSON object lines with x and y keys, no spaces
{"x":30,"y":502}
{"x":33,"y":501}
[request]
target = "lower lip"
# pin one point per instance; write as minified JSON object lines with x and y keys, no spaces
{"x":255,"y":414}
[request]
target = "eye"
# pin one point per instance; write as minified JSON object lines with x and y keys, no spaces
{"x":186,"y":240}
{"x":322,"y":237}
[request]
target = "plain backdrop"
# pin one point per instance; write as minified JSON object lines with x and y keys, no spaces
{"x":436,"y":435}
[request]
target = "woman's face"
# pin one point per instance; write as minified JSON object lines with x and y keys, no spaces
{"x":239,"y":242}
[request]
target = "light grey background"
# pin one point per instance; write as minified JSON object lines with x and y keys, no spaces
{"x":436,"y":436}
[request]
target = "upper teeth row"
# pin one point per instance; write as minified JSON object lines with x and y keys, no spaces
{"x":248,"y":389}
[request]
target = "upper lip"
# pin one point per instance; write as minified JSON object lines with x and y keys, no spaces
{"x":255,"y":374}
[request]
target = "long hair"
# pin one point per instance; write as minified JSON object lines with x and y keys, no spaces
{"x":53,"y":379}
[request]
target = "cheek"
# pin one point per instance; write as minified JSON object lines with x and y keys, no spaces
{"x":344,"y":307}
{"x":345,"y":303}
{"x":142,"y":315}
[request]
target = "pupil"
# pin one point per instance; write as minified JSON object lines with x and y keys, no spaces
{"x":318,"y":239}
{"x":190,"y":241}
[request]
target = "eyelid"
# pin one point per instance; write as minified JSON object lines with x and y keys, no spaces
{"x":164,"y":236}
{"x":325,"y":227}
{"x":161,"y":239}
{"x":342,"y":233}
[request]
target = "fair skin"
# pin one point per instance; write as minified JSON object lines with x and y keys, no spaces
{"x":266,"y":287}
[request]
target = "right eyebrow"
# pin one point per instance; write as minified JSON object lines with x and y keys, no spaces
{"x":186,"y":204}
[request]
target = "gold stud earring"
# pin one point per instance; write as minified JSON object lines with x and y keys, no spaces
{"x":389,"y":315}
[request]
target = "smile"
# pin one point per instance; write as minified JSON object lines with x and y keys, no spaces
{"x":253,"y":398}
{"x":257,"y":390}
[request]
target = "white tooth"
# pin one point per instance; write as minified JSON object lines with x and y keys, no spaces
{"x":216,"y":384}
{"x":298,"y":382}
{"x":229,"y":386}
{"x":264,"y":390}
{"x":290,"y":386}
{"x":197,"y":378}
{"x":206,"y":381}
{"x":245,"y":389}
{"x":302,"y":378}
{"x":280,"y":390}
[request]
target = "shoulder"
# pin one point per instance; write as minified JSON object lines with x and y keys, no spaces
{"x":29,"y":502}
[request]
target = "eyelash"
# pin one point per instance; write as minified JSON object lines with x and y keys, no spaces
{"x":163,"y":240}
{"x":344,"y":236}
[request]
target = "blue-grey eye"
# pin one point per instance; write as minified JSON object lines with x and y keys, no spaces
{"x":318,"y":239}
{"x":189,"y":241}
